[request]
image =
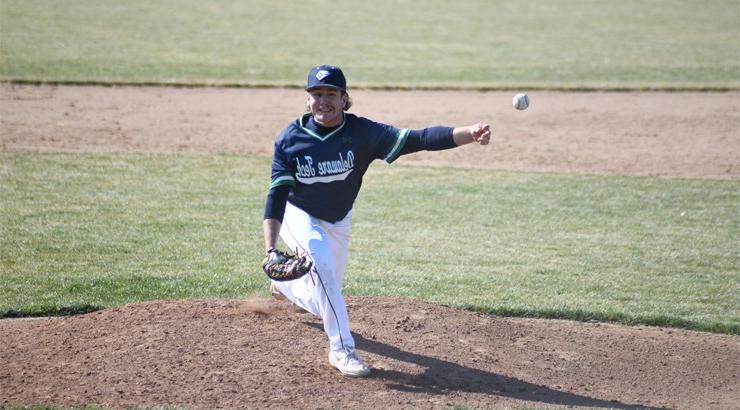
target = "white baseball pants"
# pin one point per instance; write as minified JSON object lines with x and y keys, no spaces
{"x":319,"y":292}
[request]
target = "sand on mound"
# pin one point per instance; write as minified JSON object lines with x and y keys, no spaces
{"x":262,"y":353}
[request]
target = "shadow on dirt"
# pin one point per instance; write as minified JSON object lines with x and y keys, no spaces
{"x":442,"y":377}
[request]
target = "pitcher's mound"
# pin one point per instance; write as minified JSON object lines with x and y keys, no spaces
{"x":262,"y":353}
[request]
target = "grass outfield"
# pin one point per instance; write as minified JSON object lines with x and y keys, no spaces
{"x":84,"y":232}
{"x":473,"y":43}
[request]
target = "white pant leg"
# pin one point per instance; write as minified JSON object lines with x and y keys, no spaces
{"x":319,"y":292}
{"x":340,"y":247}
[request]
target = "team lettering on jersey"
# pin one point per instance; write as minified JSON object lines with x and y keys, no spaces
{"x":309,"y":171}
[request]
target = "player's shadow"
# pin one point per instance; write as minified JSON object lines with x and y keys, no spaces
{"x":441,"y":377}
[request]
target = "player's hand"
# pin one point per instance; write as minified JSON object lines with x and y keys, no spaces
{"x":273,"y":257}
{"x":481,"y":133}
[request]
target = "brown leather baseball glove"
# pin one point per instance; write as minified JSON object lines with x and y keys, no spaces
{"x":282,"y":266}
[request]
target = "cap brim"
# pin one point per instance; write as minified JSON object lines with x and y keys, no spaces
{"x":324,"y":86}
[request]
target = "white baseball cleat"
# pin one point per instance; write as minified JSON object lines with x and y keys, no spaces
{"x":347,"y":361}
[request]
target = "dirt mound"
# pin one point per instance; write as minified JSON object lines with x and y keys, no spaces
{"x":263,"y":353}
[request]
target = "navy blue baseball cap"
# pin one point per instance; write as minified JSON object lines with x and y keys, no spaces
{"x":326,"y":76}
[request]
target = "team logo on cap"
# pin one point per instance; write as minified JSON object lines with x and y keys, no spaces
{"x":322,"y":74}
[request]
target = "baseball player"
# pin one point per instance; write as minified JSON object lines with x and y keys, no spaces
{"x":317,"y":170}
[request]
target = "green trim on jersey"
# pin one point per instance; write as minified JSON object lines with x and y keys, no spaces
{"x":303,"y":119}
{"x":400,"y":142}
{"x":283,"y":180}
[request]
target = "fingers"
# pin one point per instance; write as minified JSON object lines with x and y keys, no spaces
{"x":481,"y":133}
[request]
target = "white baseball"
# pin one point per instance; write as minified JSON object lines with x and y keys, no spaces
{"x":520,"y":102}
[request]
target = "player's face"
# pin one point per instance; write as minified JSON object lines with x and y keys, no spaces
{"x":326,"y":104}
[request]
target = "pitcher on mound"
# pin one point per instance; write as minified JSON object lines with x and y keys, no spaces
{"x":317,"y":170}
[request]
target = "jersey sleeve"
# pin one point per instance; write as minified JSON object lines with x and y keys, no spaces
{"x":389,"y":140}
{"x":399,"y":142}
{"x":282,"y":172}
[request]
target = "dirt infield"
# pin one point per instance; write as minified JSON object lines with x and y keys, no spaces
{"x":692,"y":135}
{"x":264,"y":354}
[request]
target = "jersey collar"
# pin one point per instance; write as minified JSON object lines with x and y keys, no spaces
{"x":303,"y":121}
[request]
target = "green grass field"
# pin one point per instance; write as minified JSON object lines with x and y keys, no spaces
{"x":84,"y":232}
{"x":474,"y":43}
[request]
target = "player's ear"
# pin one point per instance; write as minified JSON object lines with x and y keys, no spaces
{"x":347,"y":101}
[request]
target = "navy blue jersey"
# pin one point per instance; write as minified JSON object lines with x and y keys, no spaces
{"x":325,"y":170}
